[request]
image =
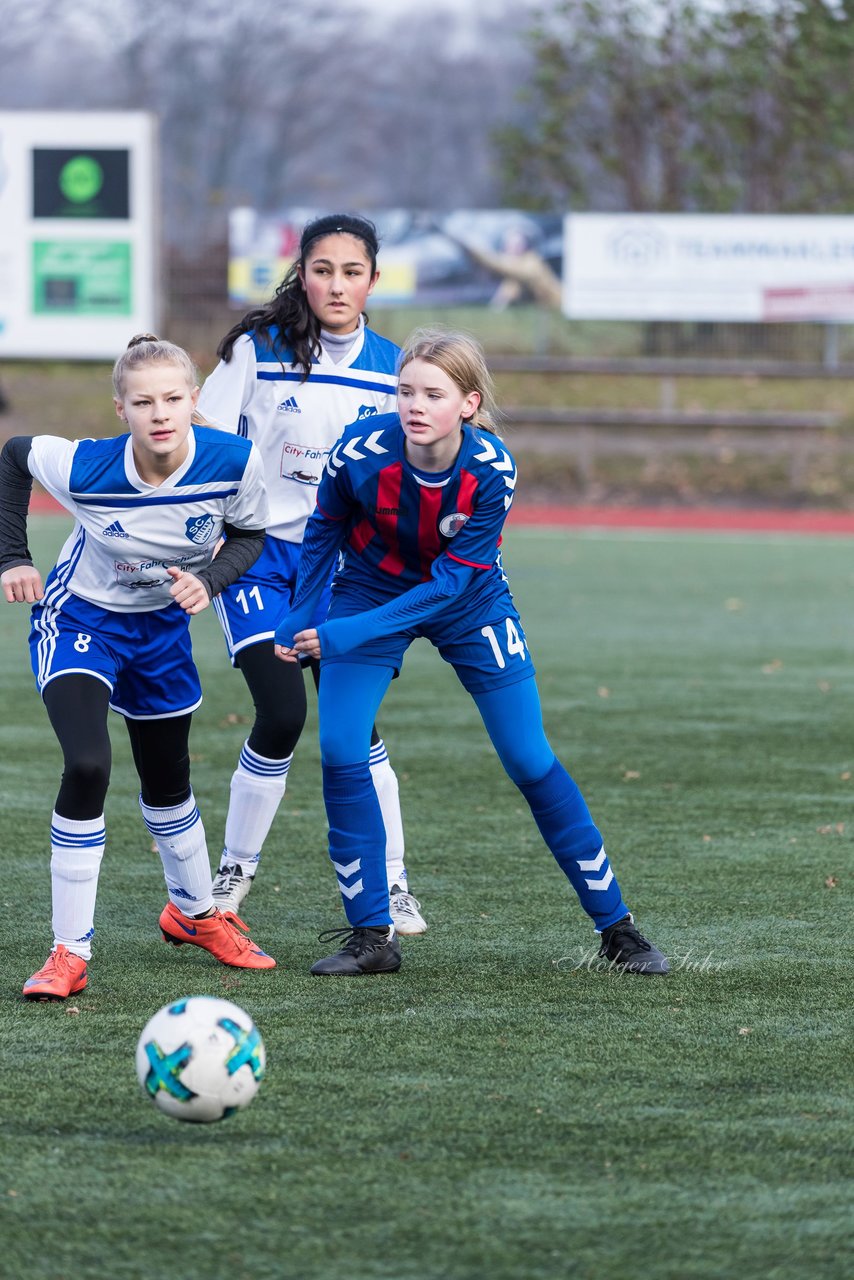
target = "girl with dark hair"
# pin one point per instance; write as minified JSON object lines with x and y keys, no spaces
{"x":292,"y":375}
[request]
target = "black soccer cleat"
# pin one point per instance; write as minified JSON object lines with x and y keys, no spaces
{"x":370,"y":950}
{"x":626,"y":948}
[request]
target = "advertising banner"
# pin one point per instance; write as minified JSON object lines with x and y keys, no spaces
{"x":468,"y":257}
{"x":747,"y":267}
{"x":77,"y":250}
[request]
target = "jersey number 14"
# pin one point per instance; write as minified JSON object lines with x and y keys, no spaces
{"x":515,"y":643}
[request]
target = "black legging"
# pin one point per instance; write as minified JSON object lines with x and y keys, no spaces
{"x":78,"y":706}
{"x":278,"y":692}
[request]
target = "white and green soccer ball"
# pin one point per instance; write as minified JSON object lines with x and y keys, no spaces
{"x":200,"y":1059}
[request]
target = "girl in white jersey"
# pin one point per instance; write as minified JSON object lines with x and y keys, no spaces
{"x":292,"y":375}
{"x":110,"y":629}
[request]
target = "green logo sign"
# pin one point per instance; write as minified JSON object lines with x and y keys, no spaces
{"x":81,"y":179}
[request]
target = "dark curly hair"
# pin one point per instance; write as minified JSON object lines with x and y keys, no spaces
{"x":288,"y":310}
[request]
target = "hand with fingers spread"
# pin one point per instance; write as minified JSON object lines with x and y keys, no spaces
{"x":22,"y":584}
{"x":188,"y":591}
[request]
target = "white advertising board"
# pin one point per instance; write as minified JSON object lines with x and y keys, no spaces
{"x":746,"y":267}
{"x":464,"y":257}
{"x":77,"y":243}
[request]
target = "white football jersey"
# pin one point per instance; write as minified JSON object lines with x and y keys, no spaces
{"x":260,"y":395}
{"x":127,"y":532}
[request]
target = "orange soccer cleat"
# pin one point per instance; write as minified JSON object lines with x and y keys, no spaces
{"x":220,"y":934}
{"x":62,"y":974}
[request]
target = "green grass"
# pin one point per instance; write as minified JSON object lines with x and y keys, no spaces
{"x":498,"y":1110}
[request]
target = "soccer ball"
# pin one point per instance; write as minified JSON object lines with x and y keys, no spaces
{"x":200,"y":1059}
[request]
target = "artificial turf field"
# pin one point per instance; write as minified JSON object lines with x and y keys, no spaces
{"x":499,"y":1108}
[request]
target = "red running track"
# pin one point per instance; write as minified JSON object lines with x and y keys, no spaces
{"x":715,"y":519}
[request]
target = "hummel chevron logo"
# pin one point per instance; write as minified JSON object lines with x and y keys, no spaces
{"x":600,"y":885}
{"x":114,"y":530}
{"x":592,"y":864}
{"x":350,"y":869}
{"x":334,"y":462}
{"x":351,"y":891}
{"x":500,"y":460}
{"x":490,"y":455}
{"x":353,"y":449}
{"x":596,"y":864}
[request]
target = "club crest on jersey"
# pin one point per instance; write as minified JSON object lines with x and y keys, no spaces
{"x":200,"y":528}
{"x":451,"y":525}
{"x":367,"y":411}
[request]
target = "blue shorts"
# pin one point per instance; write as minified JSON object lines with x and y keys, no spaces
{"x":488,"y":650}
{"x":145,"y":659}
{"x":250,"y":609}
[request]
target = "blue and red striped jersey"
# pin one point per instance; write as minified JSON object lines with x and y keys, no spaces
{"x":398,"y":519}
{"x":432,"y":537}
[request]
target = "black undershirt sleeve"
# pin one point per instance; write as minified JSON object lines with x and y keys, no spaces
{"x":241,"y":549}
{"x":15,"y":487}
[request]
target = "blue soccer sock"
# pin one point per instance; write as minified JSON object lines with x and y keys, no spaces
{"x":357,"y":842}
{"x":565,"y":824}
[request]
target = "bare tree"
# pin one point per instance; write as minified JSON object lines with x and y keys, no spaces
{"x":271,"y":105}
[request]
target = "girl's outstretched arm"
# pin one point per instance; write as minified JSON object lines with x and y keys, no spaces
{"x":20,"y":580}
{"x":320,"y":547}
{"x":449,"y":579}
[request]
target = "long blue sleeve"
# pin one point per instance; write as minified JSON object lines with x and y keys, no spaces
{"x":448,"y":580}
{"x":322,"y":541}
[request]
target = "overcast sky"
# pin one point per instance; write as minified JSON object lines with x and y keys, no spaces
{"x":465,"y":12}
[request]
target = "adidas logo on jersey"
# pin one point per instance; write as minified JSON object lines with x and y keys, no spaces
{"x":114,"y":530}
{"x":289,"y":406}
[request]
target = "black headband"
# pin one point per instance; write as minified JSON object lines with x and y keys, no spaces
{"x":333,"y":223}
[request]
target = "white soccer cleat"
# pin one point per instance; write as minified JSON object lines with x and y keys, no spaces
{"x":405,"y":912}
{"x":230,"y":887}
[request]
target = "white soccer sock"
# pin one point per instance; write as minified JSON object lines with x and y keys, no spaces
{"x":257,"y":787}
{"x":385,"y":784}
{"x":180,"y":838}
{"x":76,"y":850}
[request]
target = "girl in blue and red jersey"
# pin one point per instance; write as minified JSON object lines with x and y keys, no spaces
{"x":291,"y":375}
{"x":415,"y":503}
